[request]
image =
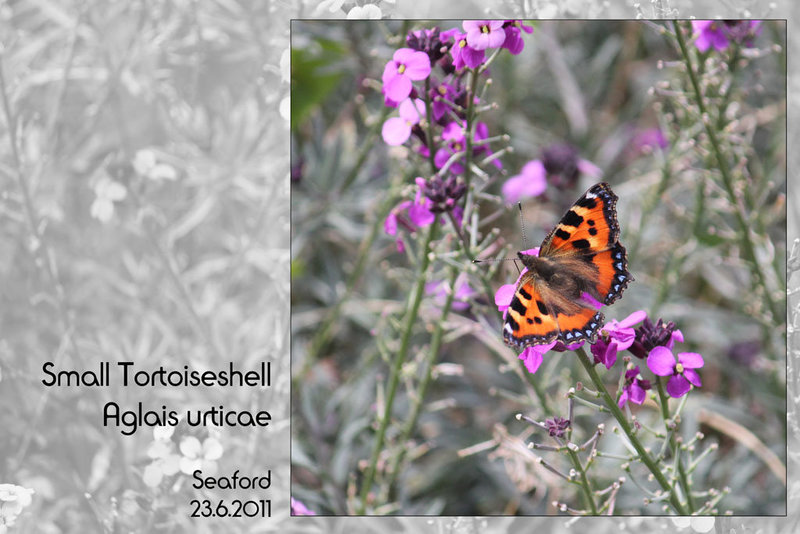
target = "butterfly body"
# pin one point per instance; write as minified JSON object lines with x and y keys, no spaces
{"x":580,"y":265}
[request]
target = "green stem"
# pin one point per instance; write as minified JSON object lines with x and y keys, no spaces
{"x":684,"y":480}
{"x":587,"y":489}
{"x":470,"y":126}
{"x":626,"y":427}
{"x":430,"y":362}
{"x":727,"y":178}
{"x":429,"y":121}
{"x":400,"y":358}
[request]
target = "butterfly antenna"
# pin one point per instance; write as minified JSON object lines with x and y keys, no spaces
{"x":522,"y":227}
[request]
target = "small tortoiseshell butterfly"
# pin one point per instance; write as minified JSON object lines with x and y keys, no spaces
{"x":581,"y":255}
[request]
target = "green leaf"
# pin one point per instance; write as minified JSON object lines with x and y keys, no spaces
{"x":314,"y":76}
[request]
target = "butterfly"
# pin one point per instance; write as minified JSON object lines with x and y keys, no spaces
{"x":581,"y":260}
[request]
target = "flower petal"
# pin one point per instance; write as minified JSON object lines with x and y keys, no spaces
{"x":637,"y":393}
{"x":634,"y":318}
{"x":504,"y":295}
{"x":418,"y":66}
{"x":397,"y":87}
{"x":421,"y":215}
{"x":661,"y":361}
{"x":396,"y":131}
{"x":472,"y":58}
{"x":677,"y":336}
{"x":677,"y":386}
{"x":533,"y":358}
{"x":692,"y":376}
{"x":690,"y":360}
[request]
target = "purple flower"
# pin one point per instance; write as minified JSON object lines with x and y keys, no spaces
{"x":483,"y":34}
{"x":397,"y":130}
{"x":442,"y":95}
{"x":430,"y":42}
{"x":298,"y":508}
{"x":439,"y":289}
{"x":614,"y":337}
{"x":534,"y":355}
{"x":634,"y":388}
{"x":742,"y":31}
{"x":514,"y":42}
{"x":464,"y":54}
{"x":718,"y":33}
{"x":530,"y":182}
{"x":410,"y":215}
{"x":648,"y":139}
{"x":682,"y":374}
{"x":453,"y":133}
{"x":557,"y":426}
{"x":605,"y":351}
{"x":444,"y":192}
{"x":407,"y":65}
{"x":709,"y":33}
{"x":649,"y":336}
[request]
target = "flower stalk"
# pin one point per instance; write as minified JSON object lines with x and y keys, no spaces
{"x":397,"y":364}
{"x":644,"y":456}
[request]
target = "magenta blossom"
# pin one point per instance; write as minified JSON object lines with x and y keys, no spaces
{"x":514,"y":42}
{"x":463,"y":54}
{"x":298,"y":508}
{"x":483,"y":34}
{"x":634,"y":388}
{"x":649,"y":336}
{"x":439,"y":289}
{"x":442,"y":96}
{"x":682,"y":374}
{"x":534,"y":355}
{"x":397,"y":130}
{"x":407,"y":65}
{"x":530,"y":182}
{"x":456,"y":142}
{"x":709,"y":33}
{"x":614,"y":337}
{"x":411,"y":215}
{"x":719,"y":33}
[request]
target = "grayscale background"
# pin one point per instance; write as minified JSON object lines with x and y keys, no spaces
{"x":144,"y":215}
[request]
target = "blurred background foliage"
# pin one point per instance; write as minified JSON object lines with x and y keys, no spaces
{"x":597,"y":86}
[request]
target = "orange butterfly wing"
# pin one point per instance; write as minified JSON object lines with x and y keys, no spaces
{"x":528,"y":320}
{"x":584,"y":251}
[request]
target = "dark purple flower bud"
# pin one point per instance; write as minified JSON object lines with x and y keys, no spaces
{"x":444,"y":192}
{"x":430,"y":42}
{"x":649,"y":336}
{"x":557,"y":426}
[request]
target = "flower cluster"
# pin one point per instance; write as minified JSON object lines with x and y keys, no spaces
{"x":720,"y":33}
{"x":442,"y":60}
